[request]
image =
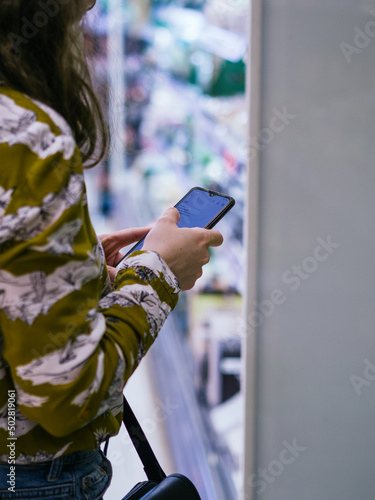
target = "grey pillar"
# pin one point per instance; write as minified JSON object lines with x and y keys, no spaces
{"x":310,"y":335}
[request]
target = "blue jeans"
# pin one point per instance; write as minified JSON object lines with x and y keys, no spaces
{"x":84,"y":475}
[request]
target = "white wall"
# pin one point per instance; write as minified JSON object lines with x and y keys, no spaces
{"x":316,"y":184}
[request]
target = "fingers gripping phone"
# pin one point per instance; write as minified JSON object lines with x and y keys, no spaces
{"x":198,"y":208}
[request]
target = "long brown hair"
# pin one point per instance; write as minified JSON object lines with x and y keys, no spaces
{"x":41,"y":55}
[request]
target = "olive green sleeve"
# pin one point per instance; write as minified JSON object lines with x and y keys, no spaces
{"x":70,"y":341}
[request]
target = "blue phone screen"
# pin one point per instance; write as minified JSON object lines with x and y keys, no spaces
{"x":197,"y":209}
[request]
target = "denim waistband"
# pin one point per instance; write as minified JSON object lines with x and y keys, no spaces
{"x":71,"y":458}
{"x":80,"y":475}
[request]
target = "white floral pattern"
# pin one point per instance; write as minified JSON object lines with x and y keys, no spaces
{"x":26,"y":297}
{"x":144,"y":296}
{"x":81,"y":398}
{"x":64,"y":365}
{"x":20,"y":126}
{"x":29,"y":221}
{"x":115,"y":389}
{"x":5,"y":197}
{"x":60,"y":242}
{"x":23,"y":424}
{"x":30,"y":400}
{"x":146,"y":261}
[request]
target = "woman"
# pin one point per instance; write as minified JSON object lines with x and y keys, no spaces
{"x":69,"y":339}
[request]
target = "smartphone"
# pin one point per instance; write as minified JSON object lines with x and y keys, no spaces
{"x":198,"y":208}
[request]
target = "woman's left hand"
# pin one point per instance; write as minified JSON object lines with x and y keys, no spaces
{"x":112,"y":244}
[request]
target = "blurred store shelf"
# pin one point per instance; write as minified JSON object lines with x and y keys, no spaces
{"x":185,"y":125}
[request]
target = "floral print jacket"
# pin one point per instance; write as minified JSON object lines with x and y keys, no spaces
{"x":69,"y":341}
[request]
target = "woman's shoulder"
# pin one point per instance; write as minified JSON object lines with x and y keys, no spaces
{"x":26,"y":121}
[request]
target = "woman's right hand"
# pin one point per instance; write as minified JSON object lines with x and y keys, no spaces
{"x":185,"y":250}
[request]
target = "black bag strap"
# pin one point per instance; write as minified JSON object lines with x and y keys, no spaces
{"x":151,"y":466}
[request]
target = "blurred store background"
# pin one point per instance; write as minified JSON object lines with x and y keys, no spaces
{"x":171,"y":75}
{"x":262,"y":383}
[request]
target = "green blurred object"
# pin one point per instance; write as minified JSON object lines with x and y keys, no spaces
{"x":230,"y":80}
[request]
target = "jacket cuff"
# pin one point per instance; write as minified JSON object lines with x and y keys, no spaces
{"x":155,"y":263}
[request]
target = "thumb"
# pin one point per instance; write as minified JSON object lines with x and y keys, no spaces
{"x":172,"y":214}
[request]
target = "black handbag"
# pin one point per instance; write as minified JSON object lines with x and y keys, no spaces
{"x":159,"y":486}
